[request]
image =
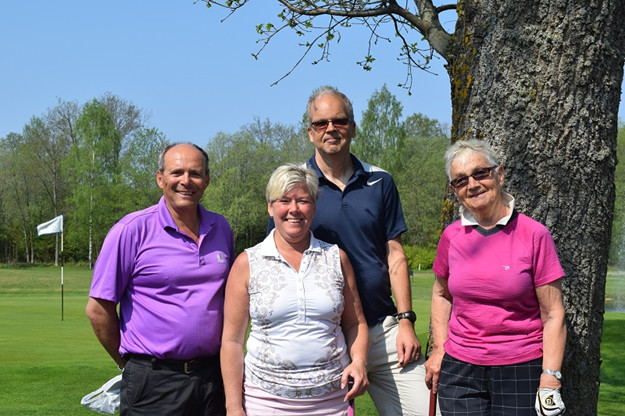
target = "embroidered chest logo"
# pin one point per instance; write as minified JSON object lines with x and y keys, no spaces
{"x":371,"y":183}
{"x":506,"y":267}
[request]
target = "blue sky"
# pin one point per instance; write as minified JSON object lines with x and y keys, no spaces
{"x":191,"y":74}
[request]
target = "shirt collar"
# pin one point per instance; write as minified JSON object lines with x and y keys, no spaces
{"x":166,"y":220}
{"x":268,"y":245}
{"x":357,"y":165}
{"x":467,"y":219}
{"x":164,"y":216}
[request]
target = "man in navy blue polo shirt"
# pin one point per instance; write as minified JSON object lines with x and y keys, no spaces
{"x":359,"y":209}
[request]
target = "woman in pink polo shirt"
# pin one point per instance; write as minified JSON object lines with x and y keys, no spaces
{"x":497,"y":312}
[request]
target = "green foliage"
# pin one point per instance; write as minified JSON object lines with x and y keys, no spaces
{"x":380,"y":138}
{"x":617,"y":247}
{"x":236,"y":189}
{"x":366,"y":63}
{"x":22,"y":192}
{"x":412,"y":150}
{"x":97,"y":162}
{"x":93,"y":170}
{"x":422,"y":185}
{"x":140,"y":163}
{"x":240,"y":168}
{"x":420,"y":258}
{"x":91,"y":163}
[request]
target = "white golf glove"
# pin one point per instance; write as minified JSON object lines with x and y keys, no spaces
{"x":549,"y":402}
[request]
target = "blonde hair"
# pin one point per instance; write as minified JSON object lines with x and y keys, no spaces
{"x":290,"y":176}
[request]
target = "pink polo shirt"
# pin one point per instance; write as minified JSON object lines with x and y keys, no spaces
{"x":492,"y":277}
{"x":170,"y":289}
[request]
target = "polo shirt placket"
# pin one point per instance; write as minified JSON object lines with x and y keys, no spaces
{"x":361,"y":219}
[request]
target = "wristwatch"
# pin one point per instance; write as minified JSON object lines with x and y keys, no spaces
{"x":554,"y":373}
{"x":410,"y":315}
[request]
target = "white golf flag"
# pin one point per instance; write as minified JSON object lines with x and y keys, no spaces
{"x":54,"y":226}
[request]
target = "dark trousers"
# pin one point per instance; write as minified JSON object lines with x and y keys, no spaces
{"x":507,"y":390}
{"x":152,"y":387}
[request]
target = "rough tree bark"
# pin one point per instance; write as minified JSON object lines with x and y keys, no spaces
{"x":540,"y":80}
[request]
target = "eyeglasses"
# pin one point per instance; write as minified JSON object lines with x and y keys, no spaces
{"x":322,"y":125}
{"x":478,"y":175}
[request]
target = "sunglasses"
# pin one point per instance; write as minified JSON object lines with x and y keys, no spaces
{"x":322,"y":125}
{"x":478,"y":175}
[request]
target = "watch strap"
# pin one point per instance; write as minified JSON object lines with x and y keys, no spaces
{"x":554,"y":373}
{"x":410,"y":315}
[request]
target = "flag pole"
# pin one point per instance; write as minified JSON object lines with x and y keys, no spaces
{"x":62,"y":264}
{"x":55,"y":226}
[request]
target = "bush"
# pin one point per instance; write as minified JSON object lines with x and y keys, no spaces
{"x":420,"y":258}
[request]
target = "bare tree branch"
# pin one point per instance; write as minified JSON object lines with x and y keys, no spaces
{"x":300,"y":15}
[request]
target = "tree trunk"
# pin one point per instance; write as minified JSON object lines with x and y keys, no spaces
{"x":26,"y":253}
{"x":32,"y":244}
{"x":541,"y":81}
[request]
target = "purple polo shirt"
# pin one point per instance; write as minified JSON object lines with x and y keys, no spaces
{"x":170,"y":289}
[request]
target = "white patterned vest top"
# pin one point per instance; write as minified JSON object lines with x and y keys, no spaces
{"x":296,"y":348}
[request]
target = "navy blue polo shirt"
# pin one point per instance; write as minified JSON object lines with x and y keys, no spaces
{"x":361,"y":220}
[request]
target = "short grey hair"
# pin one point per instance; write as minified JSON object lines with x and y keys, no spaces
{"x":161,"y":156}
{"x":462,"y":149}
{"x":328,"y":90}
{"x":288,"y":177}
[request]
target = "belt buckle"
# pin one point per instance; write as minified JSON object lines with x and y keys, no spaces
{"x":189,"y":366}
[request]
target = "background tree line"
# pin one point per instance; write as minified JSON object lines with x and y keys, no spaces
{"x":96,"y":162}
{"x":91,"y":162}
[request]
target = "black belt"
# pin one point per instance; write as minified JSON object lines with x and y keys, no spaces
{"x":181,"y":366}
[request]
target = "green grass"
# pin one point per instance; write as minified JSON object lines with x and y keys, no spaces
{"x":612,"y":389}
{"x":421,"y":285}
{"x":48,"y":365}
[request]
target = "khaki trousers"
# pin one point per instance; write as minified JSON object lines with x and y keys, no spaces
{"x":395,"y":391}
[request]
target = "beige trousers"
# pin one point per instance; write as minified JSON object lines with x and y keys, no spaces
{"x":395,"y":391}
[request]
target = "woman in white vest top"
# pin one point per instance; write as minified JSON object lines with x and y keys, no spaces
{"x":308,"y":342}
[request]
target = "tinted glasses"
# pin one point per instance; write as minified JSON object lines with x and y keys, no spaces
{"x":322,"y":125}
{"x":478,"y":175}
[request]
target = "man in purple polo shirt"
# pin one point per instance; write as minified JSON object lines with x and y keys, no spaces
{"x":166,"y":267}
